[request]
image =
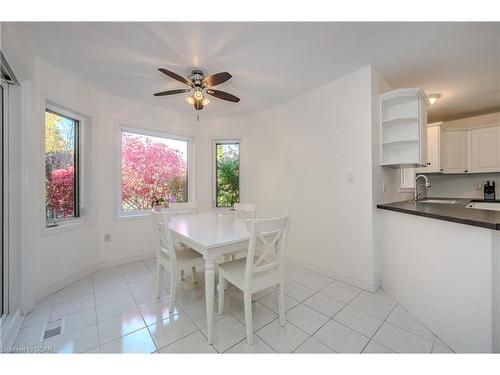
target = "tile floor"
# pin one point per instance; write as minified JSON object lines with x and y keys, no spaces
{"x":115,"y":311}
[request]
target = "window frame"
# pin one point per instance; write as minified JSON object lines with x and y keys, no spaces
{"x":216,"y":142}
{"x":120,"y":129}
{"x":81,"y":142}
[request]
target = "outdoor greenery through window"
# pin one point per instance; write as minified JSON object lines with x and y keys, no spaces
{"x":61,"y":167}
{"x":227,"y":165}
{"x":154,"y":171}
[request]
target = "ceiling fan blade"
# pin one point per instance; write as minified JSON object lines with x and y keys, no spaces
{"x":176,"y":76}
{"x":216,"y":79}
{"x":171,"y":92}
{"x":223,"y":95}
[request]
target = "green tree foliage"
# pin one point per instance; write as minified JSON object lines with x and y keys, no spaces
{"x":228,"y":175}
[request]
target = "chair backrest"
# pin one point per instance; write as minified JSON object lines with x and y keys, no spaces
{"x":245,"y":210}
{"x":269,"y":235}
{"x":160,"y":222}
{"x":185,"y":207}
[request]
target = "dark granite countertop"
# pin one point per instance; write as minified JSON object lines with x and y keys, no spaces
{"x":455,"y":212}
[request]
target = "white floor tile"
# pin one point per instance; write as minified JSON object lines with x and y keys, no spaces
{"x":228,"y":331}
{"x":403,"y":319}
{"x":324,"y":304}
{"x":359,"y":321}
{"x":341,"y":291}
{"x":313,"y":346}
{"x":440,"y":347}
{"x":258,"y":346}
{"x":192,"y":296}
{"x":315,"y":281}
{"x":282,"y":339}
{"x":40,"y":314}
{"x":80,"y":319}
{"x":295,"y":272}
{"x":158,"y":311}
{"x":340,"y":338}
{"x":79,"y":341}
{"x":197,"y":313}
{"x":261,"y":315}
{"x":402,"y":341}
{"x":115,"y":308}
{"x":298,"y":291}
{"x":30,"y":336}
{"x":194,"y":343}
{"x":271,"y":302}
{"x":66,"y":307}
{"x":119,"y":326}
{"x":112,"y":294}
{"x":148,"y":296}
{"x":306,"y":319}
{"x":263,"y":293}
{"x":78,"y":289}
{"x":171,"y":329}
{"x":373,"y":304}
{"x":136,"y":342}
{"x":374,"y":347}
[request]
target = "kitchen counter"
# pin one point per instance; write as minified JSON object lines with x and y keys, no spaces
{"x":455,"y":212}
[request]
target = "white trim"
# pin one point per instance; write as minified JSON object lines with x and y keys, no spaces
{"x":4,"y":204}
{"x":88,"y":272}
{"x":86,"y":217}
{"x":216,"y":141}
{"x":372,"y":288}
{"x":121,"y":127}
{"x":9,"y":330}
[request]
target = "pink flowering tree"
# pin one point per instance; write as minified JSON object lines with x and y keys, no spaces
{"x":151,"y":170}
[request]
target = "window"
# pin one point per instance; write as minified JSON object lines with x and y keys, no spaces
{"x":62,"y":167}
{"x":154,"y":170}
{"x":227,"y":173}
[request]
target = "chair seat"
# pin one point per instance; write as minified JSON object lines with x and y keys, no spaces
{"x":185,"y":253}
{"x":235,"y":270}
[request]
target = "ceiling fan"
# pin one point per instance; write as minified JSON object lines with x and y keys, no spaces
{"x":200,"y":85}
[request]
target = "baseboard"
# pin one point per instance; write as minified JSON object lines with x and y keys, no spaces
{"x":89,"y":271}
{"x":372,"y":288}
{"x":9,"y":330}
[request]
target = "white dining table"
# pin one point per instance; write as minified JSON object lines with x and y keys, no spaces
{"x":211,"y":234}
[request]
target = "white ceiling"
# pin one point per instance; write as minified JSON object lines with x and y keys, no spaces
{"x":273,"y":62}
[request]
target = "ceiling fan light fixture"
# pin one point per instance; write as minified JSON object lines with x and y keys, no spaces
{"x":198,"y":95}
{"x":190,"y":100}
{"x":205,"y":101}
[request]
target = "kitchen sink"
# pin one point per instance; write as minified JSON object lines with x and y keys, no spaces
{"x":493,"y":206}
{"x":439,"y":201}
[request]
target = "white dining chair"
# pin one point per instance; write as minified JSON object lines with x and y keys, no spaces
{"x":258,"y":272}
{"x":244,"y":210}
{"x":171,"y":256}
{"x":187,"y":207}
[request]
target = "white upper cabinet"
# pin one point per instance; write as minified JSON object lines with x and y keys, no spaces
{"x":485,"y":149}
{"x":433,"y":149}
{"x":454,"y":151}
{"x":403,"y":128}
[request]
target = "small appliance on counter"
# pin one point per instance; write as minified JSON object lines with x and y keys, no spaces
{"x":489,"y":191}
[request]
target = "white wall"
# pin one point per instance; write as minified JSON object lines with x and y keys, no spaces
{"x":314,"y":153}
{"x":66,"y":255}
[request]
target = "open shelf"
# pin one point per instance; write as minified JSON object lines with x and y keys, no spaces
{"x":399,"y":141}
{"x":399,"y":121}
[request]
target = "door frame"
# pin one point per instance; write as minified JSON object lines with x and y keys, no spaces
{"x":4,"y":136}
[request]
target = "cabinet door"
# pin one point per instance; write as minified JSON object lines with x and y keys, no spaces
{"x":485,"y":149}
{"x":454,"y":151}
{"x":433,"y":151}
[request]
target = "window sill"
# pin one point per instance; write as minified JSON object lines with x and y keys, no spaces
{"x":67,"y":226}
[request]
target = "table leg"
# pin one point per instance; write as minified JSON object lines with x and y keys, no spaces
{"x":209,"y":296}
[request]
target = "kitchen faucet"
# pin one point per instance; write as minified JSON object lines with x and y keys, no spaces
{"x":427,"y":185}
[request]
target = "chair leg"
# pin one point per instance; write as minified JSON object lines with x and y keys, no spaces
{"x":182,"y":275}
{"x":221,"y":295}
{"x":173,"y":281}
{"x":193,"y":273}
{"x":281,"y":303}
{"x":159,"y":279}
{"x":247,"y":297}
